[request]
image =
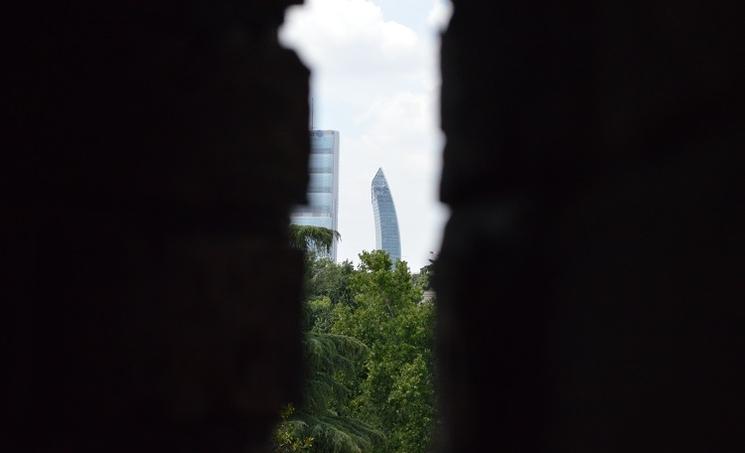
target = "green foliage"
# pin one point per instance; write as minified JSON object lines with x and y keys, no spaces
{"x":368,"y":350}
{"x":330,"y":358}
{"x":328,"y":279}
{"x":323,"y":417}
{"x":395,"y":392}
{"x":318,"y":315}
{"x":287,"y":436}
{"x":336,"y":434}
{"x":424,"y":278}
{"x":312,"y":239}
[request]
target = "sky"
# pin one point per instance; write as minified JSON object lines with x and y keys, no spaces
{"x":375,"y":79}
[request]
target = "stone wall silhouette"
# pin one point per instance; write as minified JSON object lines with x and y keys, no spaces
{"x":589,"y":284}
{"x":152,"y":302}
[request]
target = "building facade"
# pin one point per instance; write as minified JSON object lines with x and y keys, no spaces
{"x":386,"y":223}
{"x":323,"y":185}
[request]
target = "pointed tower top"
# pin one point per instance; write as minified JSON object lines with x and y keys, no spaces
{"x":379,"y":178}
{"x":386,"y":223}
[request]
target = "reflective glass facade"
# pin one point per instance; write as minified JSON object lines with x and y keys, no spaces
{"x":323,"y":184}
{"x":386,"y":222}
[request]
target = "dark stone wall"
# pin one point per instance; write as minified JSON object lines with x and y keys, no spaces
{"x":589,"y":285}
{"x":150,"y":300}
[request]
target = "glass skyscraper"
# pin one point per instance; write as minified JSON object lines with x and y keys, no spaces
{"x":386,"y":222}
{"x":323,"y":185}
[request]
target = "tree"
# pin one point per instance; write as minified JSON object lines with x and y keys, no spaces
{"x":312,"y":239}
{"x":424,"y":278}
{"x":323,"y":423}
{"x":324,"y":415}
{"x":368,"y":346}
{"x":394,"y":390}
{"x":331,"y":280}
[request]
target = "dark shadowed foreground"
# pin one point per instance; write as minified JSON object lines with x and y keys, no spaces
{"x":590,"y":284}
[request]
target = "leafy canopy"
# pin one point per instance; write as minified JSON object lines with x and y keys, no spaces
{"x":368,"y":347}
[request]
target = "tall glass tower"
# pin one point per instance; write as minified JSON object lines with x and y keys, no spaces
{"x":386,"y":222}
{"x":323,"y":184}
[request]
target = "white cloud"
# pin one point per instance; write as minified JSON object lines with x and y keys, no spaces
{"x":351,"y":38}
{"x":440,"y":14}
{"x":400,"y":120}
{"x":376,"y":81}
